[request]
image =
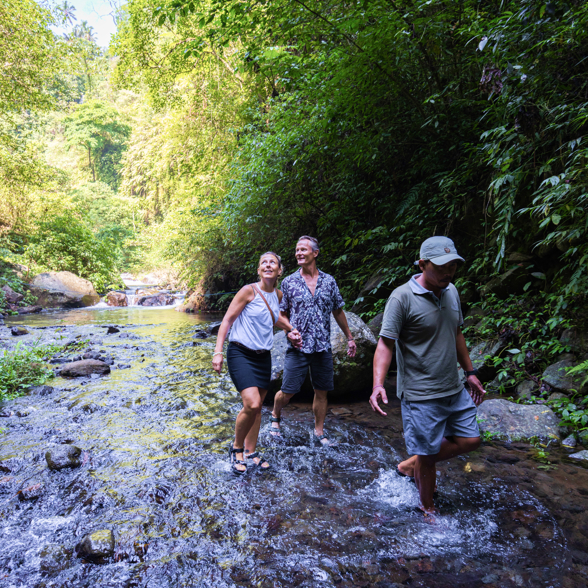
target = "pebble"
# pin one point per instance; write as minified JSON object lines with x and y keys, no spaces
{"x":97,"y":546}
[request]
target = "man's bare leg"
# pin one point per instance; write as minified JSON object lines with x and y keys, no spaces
{"x":319,"y":408}
{"x":425,"y":477}
{"x":450,"y":447}
{"x":280,"y":400}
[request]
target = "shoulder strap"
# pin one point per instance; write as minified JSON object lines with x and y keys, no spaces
{"x":263,"y":298}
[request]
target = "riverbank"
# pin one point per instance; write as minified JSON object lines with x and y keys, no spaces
{"x":153,"y":472}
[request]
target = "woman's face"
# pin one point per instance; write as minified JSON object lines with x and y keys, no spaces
{"x":269,"y":267}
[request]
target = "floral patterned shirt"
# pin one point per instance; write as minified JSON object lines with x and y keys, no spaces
{"x":311,"y":315}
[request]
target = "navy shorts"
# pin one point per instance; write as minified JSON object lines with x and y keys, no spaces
{"x":297,"y":364}
{"x":426,"y":422}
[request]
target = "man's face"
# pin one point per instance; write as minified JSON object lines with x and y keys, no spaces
{"x":438,"y":276}
{"x":304,"y":253}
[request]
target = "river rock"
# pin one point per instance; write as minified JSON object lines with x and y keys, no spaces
{"x":583,"y":455}
{"x":213,"y":328}
{"x":41,"y":390}
{"x":375,"y":325}
{"x":63,"y":456}
{"x":518,"y":421}
{"x":510,"y":282}
{"x":117,"y":299}
{"x":569,"y":441}
{"x":29,"y":309}
{"x":526,"y":389}
{"x":84,"y":367}
{"x":97,"y":546}
{"x":63,"y":290}
{"x":351,"y":374}
{"x":555,"y":375}
{"x":158,"y":300}
{"x":18,"y":331}
{"x":31,"y":492}
{"x":576,"y":339}
{"x":53,"y":558}
{"x":486,"y":369}
{"x":11,"y":296}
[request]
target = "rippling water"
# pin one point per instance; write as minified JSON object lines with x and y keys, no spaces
{"x":155,"y":472}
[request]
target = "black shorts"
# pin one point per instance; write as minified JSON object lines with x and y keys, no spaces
{"x":249,"y":369}
{"x":297,"y":364}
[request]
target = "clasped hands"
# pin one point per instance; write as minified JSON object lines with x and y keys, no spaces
{"x":295,"y":338}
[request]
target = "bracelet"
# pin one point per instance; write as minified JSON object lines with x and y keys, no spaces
{"x":217,"y":353}
{"x":350,"y":339}
{"x":473,"y":372}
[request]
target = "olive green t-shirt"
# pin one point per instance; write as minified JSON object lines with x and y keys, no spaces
{"x":425,"y":330}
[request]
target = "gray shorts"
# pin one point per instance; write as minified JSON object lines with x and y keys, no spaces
{"x":426,"y":422}
{"x":297,"y":364}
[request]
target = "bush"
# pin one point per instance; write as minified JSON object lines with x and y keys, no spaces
{"x":22,"y":368}
{"x":67,"y":244}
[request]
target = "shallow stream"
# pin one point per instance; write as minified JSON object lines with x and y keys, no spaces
{"x":154,"y":435}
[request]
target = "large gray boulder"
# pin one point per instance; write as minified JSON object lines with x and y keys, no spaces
{"x":351,"y":374}
{"x":116,"y":299}
{"x":63,"y":290}
{"x":576,"y":339}
{"x":512,"y":421}
{"x":556,"y":376}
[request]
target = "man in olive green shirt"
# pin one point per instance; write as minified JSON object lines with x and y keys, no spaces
{"x":422,"y":321}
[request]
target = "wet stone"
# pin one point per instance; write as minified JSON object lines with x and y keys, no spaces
{"x":97,"y":546}
{"x":556,"y":375}
{"x":54,"y":558}
{"x":18,"y":331}
{"x":85,"y":367}
{"x":31,"y":492}
{"x":569,"y":441}
{"x":41,"y":390}
{"x":63,"y":456}
{"x":582,"y":455}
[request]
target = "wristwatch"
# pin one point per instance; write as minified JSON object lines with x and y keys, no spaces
{"x":473,"y":372}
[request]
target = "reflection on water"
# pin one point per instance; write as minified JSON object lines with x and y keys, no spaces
{"x":155,"y":472}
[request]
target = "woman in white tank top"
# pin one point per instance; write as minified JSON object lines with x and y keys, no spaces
{"x":251,"y":318}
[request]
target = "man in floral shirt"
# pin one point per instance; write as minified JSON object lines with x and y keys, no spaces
{"x":309,"y":298}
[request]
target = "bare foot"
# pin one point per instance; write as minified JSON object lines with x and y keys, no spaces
{"x":430,"y":514}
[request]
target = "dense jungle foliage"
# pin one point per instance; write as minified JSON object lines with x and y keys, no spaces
{"x":211,"y":131}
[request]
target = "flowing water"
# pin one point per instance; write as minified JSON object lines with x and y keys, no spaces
{"x":154,"y":435}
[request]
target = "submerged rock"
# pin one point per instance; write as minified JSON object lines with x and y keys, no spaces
{"x":53,"y":558}
{"x":63,"y":289}
{"x":556,"y":375}
{"x":116,"y":299}
{"x":97,"y":546}
{"x":29,"y":309}
{"x":351,"y":374}
{"x":213,"y":328}
{"x":157,"y":300}
{"x":63,"y":456}
{"x":42,"y":390}
{"x":31,"y":492}
{"x":518,"y":421}
{"x":84,"y":367}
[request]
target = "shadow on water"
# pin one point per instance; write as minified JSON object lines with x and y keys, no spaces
{"x":155,"y":472}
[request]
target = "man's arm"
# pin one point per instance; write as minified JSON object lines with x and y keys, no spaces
{"x":382,"y":361}
{"x":342,"y":322}
{"x":463,"y":356}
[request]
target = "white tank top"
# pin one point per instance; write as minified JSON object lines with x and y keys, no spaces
{"x":254,"y":327}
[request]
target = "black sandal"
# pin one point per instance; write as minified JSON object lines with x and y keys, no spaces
{"x":273,"y":431}
{"x":320,"y":439}
{"x":255,"y":455}
{"x":236,"y":462}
